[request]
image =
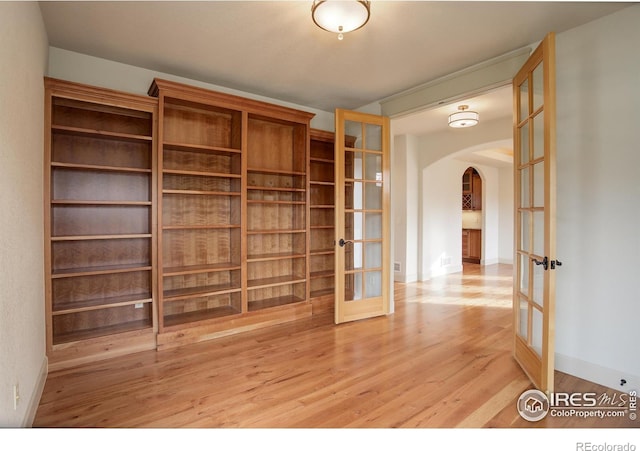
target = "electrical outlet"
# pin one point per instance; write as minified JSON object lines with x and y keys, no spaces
{"x":16,"y":396}
{"x":397,"y":267}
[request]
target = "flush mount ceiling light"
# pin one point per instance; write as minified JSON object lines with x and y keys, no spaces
{"x":340,"y":16}
{"x":463,"y":118}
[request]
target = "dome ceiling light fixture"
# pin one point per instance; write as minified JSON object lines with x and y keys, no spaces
{"x":463,"y":118}
{"x":340,"y":16}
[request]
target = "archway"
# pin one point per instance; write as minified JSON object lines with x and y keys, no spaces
{"x":441,"y":215}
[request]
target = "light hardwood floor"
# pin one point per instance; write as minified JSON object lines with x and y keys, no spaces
{"x":443,"y":359}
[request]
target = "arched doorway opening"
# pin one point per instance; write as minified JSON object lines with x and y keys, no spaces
{"x":472,"y":223}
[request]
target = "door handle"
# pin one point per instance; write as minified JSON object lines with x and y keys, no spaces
{"x":342,"y":242}
{"x":544,"y":262}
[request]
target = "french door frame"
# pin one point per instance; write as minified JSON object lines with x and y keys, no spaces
{"x":535,"y":215}
{"x":379,"y":303}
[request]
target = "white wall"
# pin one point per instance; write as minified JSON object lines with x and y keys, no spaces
{"x":23,"y":57}
{"x":505,"y":219}
{"x":94,"y":71}
{"x":598,"y":299}
{"x":441,"y":219}
{"x":490,"y":212}
{"x":405,"y":196}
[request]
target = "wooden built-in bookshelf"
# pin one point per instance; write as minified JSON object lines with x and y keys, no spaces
{"x":232,"y":213}
{"x":179,"y":217}
{"x":99,"y":228}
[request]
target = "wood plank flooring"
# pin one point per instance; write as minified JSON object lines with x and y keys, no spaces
{"x":442,"y":360}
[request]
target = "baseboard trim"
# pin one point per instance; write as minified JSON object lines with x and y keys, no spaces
{"x":449,"y":269}
{"x":34,"y":402}
{"x":406,"y":278}
{"x":592,"y":372}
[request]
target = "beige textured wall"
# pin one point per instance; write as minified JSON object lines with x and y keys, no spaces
{"x":23,"y":61}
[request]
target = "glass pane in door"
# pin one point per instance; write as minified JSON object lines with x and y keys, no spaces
{"x":353,"y":256}
{"x":373,"y":226}
{"x":536,"y":331}
{"x":373,"y":255}
{"x":373,"y":287}
{"x":538,"y":135}
{"x":538,"y":184}
{"x":373,"y":196}
{"x":373,"y":166}
{"x":538,"y":233}
{"x":373,"y":137}
{"x":525,"y":241}
{"x":524,"y":187}
{"x":538,"y":87}
{"x":351,"y":231}
{"x":524,"y":274}
{"x":538,"y":285}
{"x":354,"y":190}
{"x":523,"y":319}
{"x":524,"y":143}
{"x":353,"y":165}
{"x":353,"y":286}
{"x":352,"y":128}
{"x":523,"y":112}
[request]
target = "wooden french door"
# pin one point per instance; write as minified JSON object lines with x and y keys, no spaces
{"x":362,"y":257}
{"x":535,"y":210}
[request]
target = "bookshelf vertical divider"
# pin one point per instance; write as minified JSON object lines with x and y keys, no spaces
{"x":243,"y":227}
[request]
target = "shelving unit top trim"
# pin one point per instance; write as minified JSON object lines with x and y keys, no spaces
{"x":103,"y":96}
{"x":322,"y":135}
{"x":329,"y":137}
{"x":230,"y":101}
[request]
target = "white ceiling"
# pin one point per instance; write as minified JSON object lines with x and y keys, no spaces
{"x":273,"y":48}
